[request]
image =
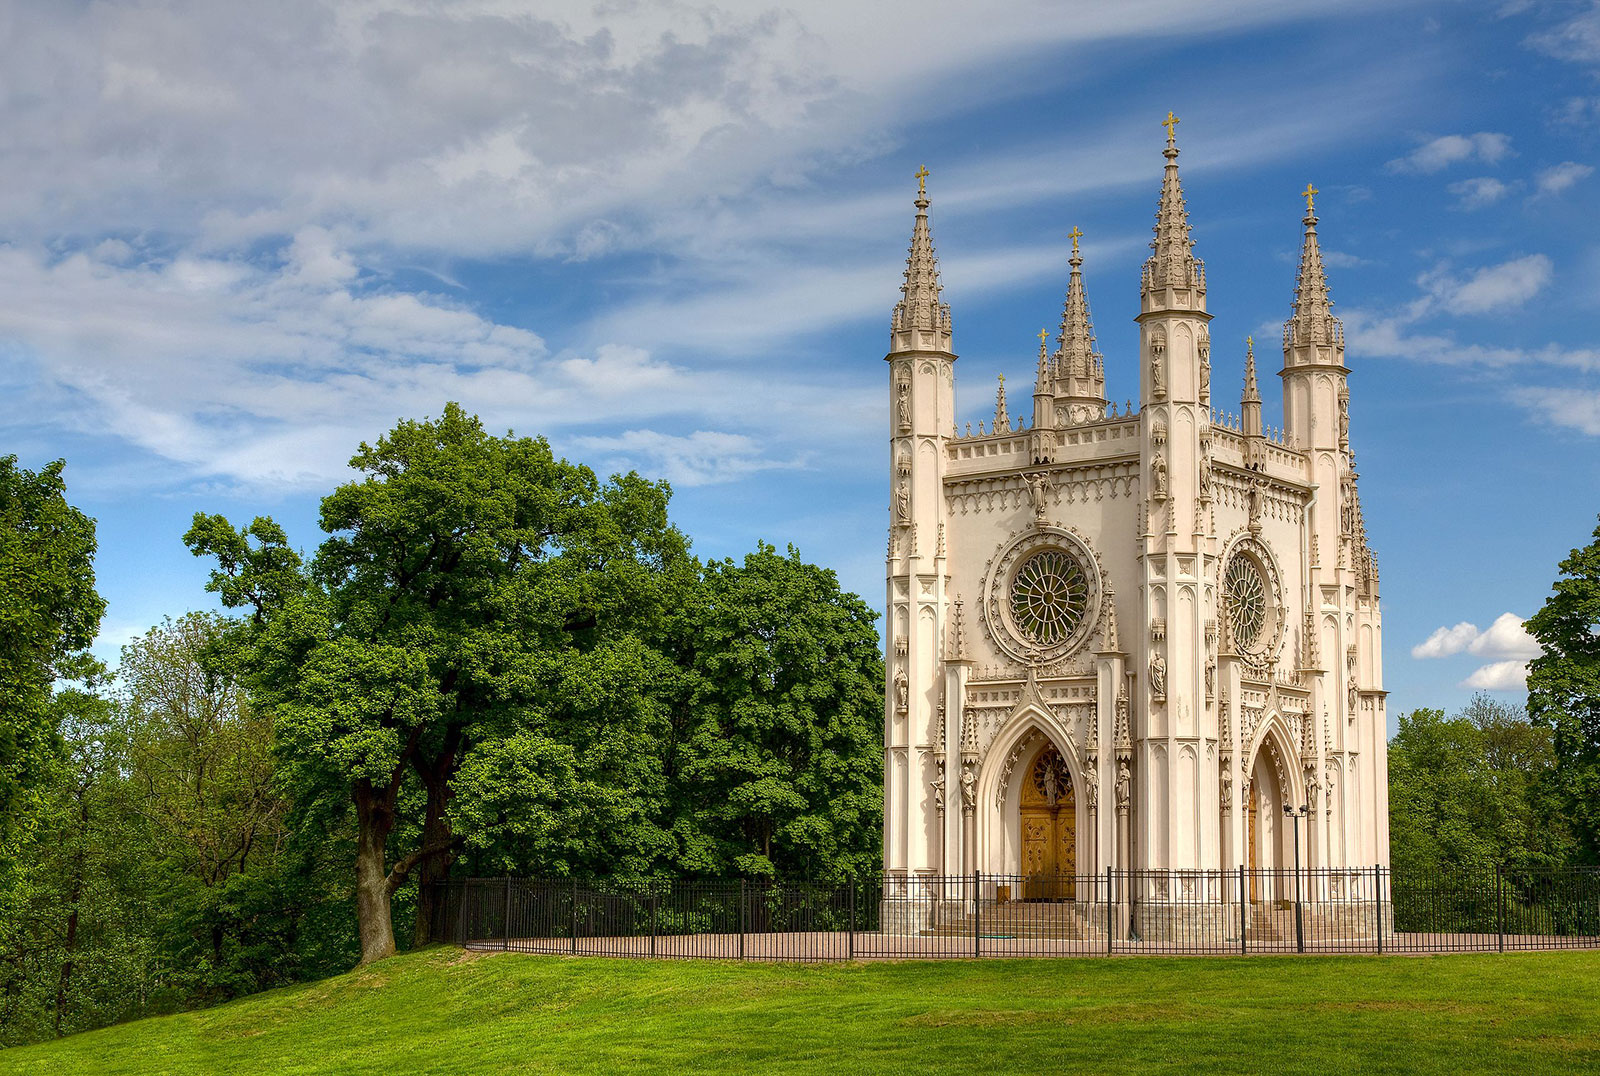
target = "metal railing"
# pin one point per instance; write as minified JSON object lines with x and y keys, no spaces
{"x":1340,"y":910}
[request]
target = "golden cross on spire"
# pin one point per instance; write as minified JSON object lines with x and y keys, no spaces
{"x":1002,"y":380}
{"x":1250,"y":342}
{"x":922,"y":181}
{"x":1308,"y":194}
{"x":1042,"y":334}
{"x":1075,"y":235}
{"x":1170,"y":123}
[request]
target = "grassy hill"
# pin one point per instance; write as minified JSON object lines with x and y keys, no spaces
{"x":443,"y":1011}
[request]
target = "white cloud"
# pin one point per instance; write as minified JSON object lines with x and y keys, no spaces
{"x":1446,"y":641}
{"x":1491,"y":288}
{"x":1505,"y":638}
{"x":1575,"y":408}
{"x":1442,"y":152}
{"x":700,"y":458}
{"x":1499,"y":676}
{"x":1478,"y":193}
{"x":1577,"y":39}
{"x":1577,"y":112}
{"x":1559,"y":177}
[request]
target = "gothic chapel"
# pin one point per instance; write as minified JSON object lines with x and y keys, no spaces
{"x":1129,"y":638}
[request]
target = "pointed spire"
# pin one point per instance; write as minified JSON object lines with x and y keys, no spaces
{"x":958,"y":643}
{"x":1002,"y":421}
{"x":1080,"y":372}
{"x":1041,"y":380}
{"x":921,"y":322}
{"x":1172,"y":263}
{"x":1312,"y":320}
{"x":1250,"y":403}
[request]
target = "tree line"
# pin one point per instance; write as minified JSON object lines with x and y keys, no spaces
{"x":496,"y":662}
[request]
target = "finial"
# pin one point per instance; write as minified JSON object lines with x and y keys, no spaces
{"x":1043,"y":334}
{"x":1075,"y":235}
{"x":1002,"y":381}
{"x":1171,"y":124}
{"x":1308,"y":194}
{"x":922,"y":181}
{"x":1250,"y":343}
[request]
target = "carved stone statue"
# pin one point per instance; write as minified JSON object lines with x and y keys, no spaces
{"x":1205,"y":372}
{"x":1344,"y":418}
{"x":1158,"y":676}
{"x":937,"y":784}
{"x":1226,"y":789}
{"x":1354,"y":699}
{"x":1254,"y":497}
{"x":969,"y":788}
{"x":1158,"y":477}
{"x":1124,"y":785}
{"x":1039,"y":493}
{"x":902,"y":503}
{"x":1052,"y":785}
{"x":902,"y":692}
{"x":904,"y":406}
{"x":1158,"y":375}
{"x":1091,"y":786}
{"x":1205,"y":477}
{"x":1211,"y":675}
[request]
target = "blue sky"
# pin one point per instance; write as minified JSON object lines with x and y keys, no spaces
{"x":237,"y":239}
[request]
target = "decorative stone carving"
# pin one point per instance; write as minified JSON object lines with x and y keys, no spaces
{"x":1158,"y":373}
{"x":902,"y":692}
{"x":902,"y":503}
{"x":1255,"y":496}
{"x":1039,"y":493}
{"x":1158,"y":477}
{"x":1205,"y":371}
{"x":1124,"y":784}
{"x":903,"y":404}
{"x":1158,"y":676}
{"x":969,"y":788}
{"x":1044,"y":595}
{"x":937,"y":784}
{"x":1225,"y":789}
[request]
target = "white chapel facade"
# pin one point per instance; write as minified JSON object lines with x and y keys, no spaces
{"x":1129,"y":638}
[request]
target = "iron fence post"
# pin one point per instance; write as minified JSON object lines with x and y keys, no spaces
{"x":1244,"y":948}
{"x":505,"y":922}
{"x":1109,"y":935}
{"x":655,"y":911}
{"x":852,"y":885}
{"x":574,"y":915}
{"x":977,"y":913}
{"x":1500,"y":906}
{"x":1378,"y":886}
{"x":741,"y":917}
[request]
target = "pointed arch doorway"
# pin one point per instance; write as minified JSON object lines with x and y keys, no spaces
{"x":1048,"y":826}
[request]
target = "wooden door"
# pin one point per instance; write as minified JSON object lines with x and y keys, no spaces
{"x":1049,"y":829}
{"x":1251,"y":840}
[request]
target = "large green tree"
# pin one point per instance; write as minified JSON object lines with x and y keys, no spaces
{"x":1564,"y":687}
{"x":49,"y":614}
{"x":467,"y":581}
{"x":1472,"y":792}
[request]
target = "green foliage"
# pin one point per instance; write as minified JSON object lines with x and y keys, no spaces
{"x":445,"y":1012}
{"x":1564,"y":687}
{"x":1472,"y":793}
{"x":779,"y":742}
{"x":49,"y":614}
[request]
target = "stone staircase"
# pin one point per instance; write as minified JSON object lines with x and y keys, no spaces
{"x":1021,"y":919}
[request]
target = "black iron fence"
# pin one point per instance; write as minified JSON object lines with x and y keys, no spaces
{"x":1344,"y":910}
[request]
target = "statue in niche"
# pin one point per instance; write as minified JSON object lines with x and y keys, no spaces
{"x":1124,"y":785}
{"x":1158,"y":376}
{"x":1354,"y":699}
{"x":937,"y":784}
{"x":1254,"y":498}
{"x":1205,"y":477}
{"x":902,"y":503}
{"x":1158,"y":676}
{"x":1039,"y":493}
{"x":1344,"y":418}
{"x":902,"y":692}
{"x":1227,"y":792}
{"x":969,"y":788}
{"x":1091,"y":786}
{"x":1211,"y":675}
{"x":1158,"y":477}
{"x":1205,"y":371}
{"x":904,"y":405}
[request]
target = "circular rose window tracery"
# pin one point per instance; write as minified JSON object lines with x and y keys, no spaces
{"x":1049,"y":597}
{"x":1246,"y":595}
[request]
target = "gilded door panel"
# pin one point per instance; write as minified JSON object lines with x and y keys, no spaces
{"x":1049,"y":829}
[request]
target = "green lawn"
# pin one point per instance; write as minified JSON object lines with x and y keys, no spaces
{"x":440,"y":1011}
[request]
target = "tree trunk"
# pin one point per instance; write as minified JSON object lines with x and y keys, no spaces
{"x":436,"y":832}
{"x":374,"y":820}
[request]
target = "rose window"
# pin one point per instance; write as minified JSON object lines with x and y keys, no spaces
{"x":1245,"y":594}
{"x":1049,"y":597}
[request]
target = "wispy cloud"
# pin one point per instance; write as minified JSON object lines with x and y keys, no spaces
{"x":1479,"y":193}
{"x":1440,"y":153}
{"x":1559,"y":177}
{"x":1505,"y":638}
{"x":1576,"y":39}
{"x":1489,"y":289}
{"x":1499,"y":676}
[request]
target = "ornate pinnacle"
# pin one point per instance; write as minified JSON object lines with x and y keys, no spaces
{"x":920,"y":311}
{"x":958,"y":643}
{"x":1002,"y":421}
{"x":1077,"y":361}
{"x":1172,"y":263}
{"x":1250,"y":402}
{"x":1311,"y":320}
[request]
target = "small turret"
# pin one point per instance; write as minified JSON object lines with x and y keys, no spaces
{"x":1080,"y":371}
{"x":921,"y":322}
